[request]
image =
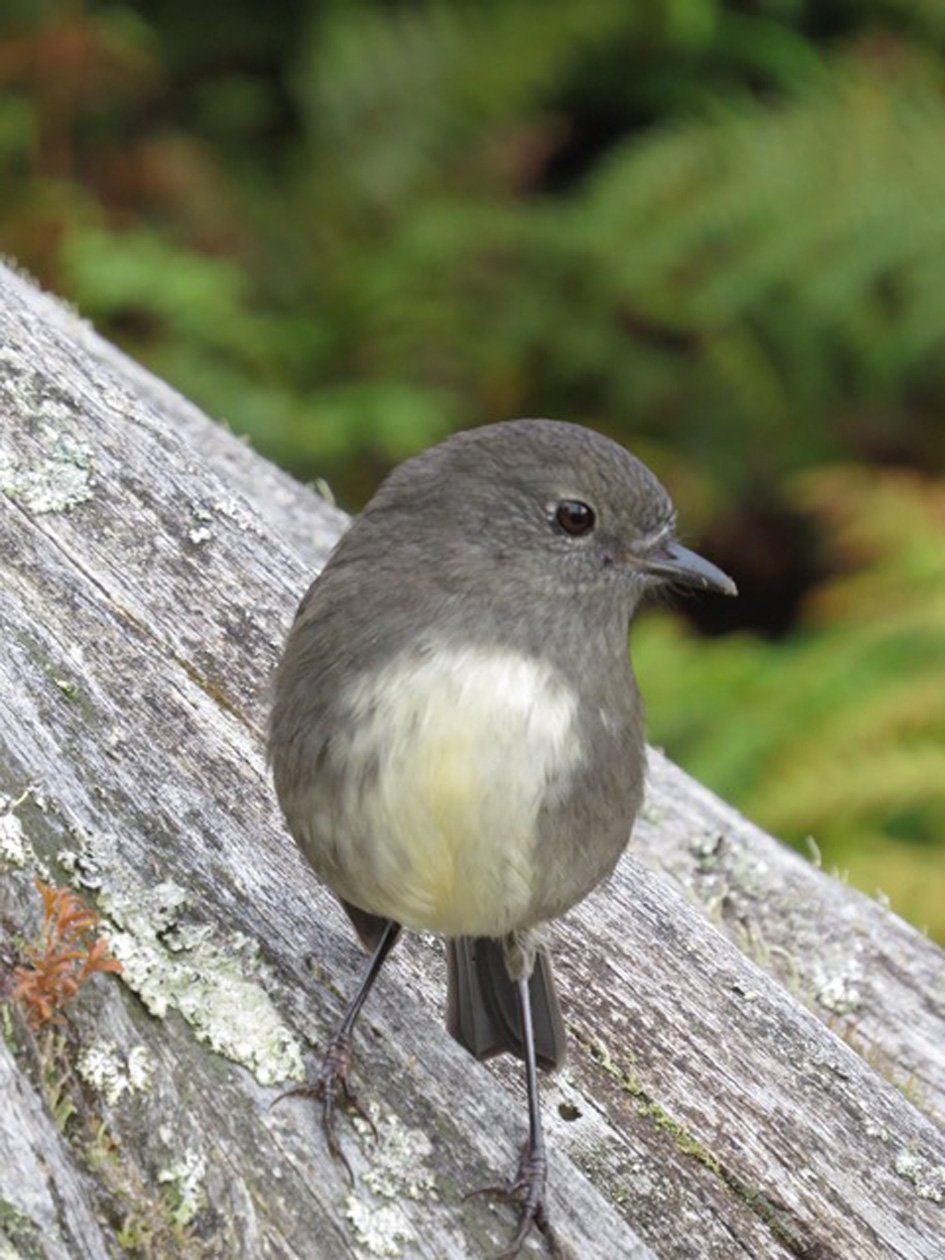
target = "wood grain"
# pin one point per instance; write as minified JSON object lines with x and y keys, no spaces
{"x":757,"y":1066}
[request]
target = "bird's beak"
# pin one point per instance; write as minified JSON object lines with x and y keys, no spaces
{"x":676,"y":563}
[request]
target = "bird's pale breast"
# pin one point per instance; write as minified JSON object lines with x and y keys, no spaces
{"x":449,"y":758}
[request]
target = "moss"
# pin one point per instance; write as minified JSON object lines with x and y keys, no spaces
{"x":688,"y":1145}
{"x":9,"y":1034}
{"x":149,"y":1222}
{"x":630,"y":1083}
{"x":19,"y":1235}
{"x":56,"y":1077}
{"x":57,"y":673}
{"x":184,"y":1182}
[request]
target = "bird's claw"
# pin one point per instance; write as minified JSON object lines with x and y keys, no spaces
{"x":528,"y":1188}
{"x":332,"y":1080}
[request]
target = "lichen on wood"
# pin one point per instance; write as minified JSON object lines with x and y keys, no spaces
{"x":758,"y":1051}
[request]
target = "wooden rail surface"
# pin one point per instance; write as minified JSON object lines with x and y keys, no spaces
{"x":758,"y":1051}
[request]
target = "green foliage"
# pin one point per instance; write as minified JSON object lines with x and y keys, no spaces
{"x":188,"y":296}
{"x":838,"y":734}
{"x":798,"y":253}
{"x":744,"y":271}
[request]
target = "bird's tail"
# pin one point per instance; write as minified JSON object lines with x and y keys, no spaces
{"x":482,"y":1010}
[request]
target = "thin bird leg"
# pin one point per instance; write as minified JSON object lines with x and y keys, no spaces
{"x":332,"y":1078}
{"x":528,"y":1184}
{"x":533,"y":1166}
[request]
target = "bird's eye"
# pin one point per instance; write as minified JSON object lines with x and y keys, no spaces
{"x":575,"y":518}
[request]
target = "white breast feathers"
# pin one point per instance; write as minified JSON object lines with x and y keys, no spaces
{"x":451,"y":757}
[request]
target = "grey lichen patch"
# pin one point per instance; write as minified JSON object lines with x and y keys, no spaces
{"x":215,"y":980}
{"x":927,"y":1178}
{"x":651,"y":813}
{"x":706,"y":849}
{"x":81,"y":864}
{"x":233,"y":510}
{"x":839,"y":992}
{"x":398,"y":1165}
{"x":184,"y":1180}
{"x":399,"y":1170}
{"x":56,"y":477}
{"x":113,"y":1074}
{"x":17,"y":850}
{"x":874,"y":1129}
{"x":13,"y":847}
{"x":201,"y":533}
{"x":379,"y":1229}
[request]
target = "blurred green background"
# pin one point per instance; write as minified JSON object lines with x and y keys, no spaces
{"x":713,"y":230}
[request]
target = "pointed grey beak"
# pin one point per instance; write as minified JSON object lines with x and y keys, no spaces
{"x":676,"y":563}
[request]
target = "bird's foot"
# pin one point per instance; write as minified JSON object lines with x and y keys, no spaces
{"x":331,"y":1086}
{"x":527,"y":1188}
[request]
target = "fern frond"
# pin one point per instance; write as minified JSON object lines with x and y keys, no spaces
{"x":840,"y":731}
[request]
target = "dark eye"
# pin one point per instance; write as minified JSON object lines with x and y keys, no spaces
{"x":574,"y":517}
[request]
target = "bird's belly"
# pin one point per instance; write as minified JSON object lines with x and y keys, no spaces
{"x":451,"y":759}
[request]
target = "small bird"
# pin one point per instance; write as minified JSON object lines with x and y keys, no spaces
{"x":456,"y":734}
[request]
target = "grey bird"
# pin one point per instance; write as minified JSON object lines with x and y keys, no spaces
{"x":456,"y":735}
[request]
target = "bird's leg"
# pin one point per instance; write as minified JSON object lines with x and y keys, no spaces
{"x":528,"y":1184}
{"x":332,"y":1079}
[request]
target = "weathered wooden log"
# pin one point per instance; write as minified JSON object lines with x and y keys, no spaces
{"x":758,"y":1063}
